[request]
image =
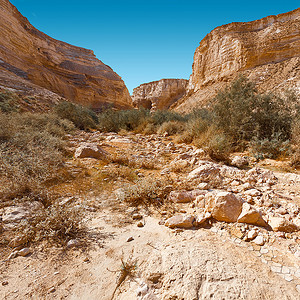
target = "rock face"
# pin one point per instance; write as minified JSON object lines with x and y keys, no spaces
{"x":35,"y":64}
{"x":159,"y":94}
{"x":265,"y":50}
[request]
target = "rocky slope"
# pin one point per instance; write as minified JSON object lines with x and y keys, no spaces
{"x":213,"y":259}
{"x":159,"y":94}
{"x":35,"y":64}
{"x":266,"y":50}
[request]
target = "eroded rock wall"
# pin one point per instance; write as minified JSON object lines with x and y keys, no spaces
{"x":266,"y":50}
{"x":32,"y":62}
{"x":159,"y":94}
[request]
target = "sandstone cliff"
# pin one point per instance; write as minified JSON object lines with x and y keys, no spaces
{"x":266,"y":50}
{"x":159,"y":94}
{"x":35,"y":64}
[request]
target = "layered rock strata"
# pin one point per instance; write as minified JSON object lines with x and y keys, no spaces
{"x":267,"y":51}
{"x":35,"y":64}
{"x":159,"y":94}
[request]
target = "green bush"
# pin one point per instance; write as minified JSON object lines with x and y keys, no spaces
{"x":171,"y":127}
{"x":113,"y":121}
{"x":273,"y":147}
{"x":242,"y":112}
{"x":162,"y":116}
{"x":82,"y":117}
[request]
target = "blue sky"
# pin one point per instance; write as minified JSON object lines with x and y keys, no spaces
{"x":143,"y":41}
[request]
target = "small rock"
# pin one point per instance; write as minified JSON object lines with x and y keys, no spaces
{"x":154,"y":277}
{"x":259,"y":240}
{"x":253,"y":193}
{"x":91,"y":151}
{"x":201,"y":218}
{"x":281,"y":224}
{"x":180,"y":221}
{"x":250,"y":215}
{"x":140,"y":224}
{"x":14,"y":214}
{"x":142,"y":291}
{"x":24,"y":252}
{"x":137,"y":216}
{"x":52,"y":290}
{"x":288,"y":277}
{"x":180,"y":197}
{"x":130,"y":239}
{"x":239,"y":161}
{"x":203,"y":186}
{"x":4,"y":283}
{"x":252,"y":234}
{"x":73,"y":243}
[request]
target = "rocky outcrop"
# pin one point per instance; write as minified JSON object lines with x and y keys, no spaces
{"x":265,"y":50}
{"x":35,"y":64}
{"x":159,"y":94}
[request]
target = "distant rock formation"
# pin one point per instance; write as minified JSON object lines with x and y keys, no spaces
{"x":35,"y":64}
{"x":267,"y":51}
{"x":159,"y":94}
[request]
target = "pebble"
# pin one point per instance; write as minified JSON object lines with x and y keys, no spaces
{"x":288,"y":277}
{"x":252,"y":234}
{"x":4,"y":283}
{"x":264,"y":250}
{"x":130,"y":239}
{"x":52,"y":290}
{"x":24,"y":252}
{"x":73,"y":243}
{"x":140,"y":224}
{"x":259,"y":240}
{"x":137,"y":216}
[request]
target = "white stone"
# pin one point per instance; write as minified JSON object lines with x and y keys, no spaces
{"x":259,"y":240}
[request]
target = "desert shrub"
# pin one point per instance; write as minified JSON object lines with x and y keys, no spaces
{"x":114,"y":121}
{"x":54,"y":224}
{"x":273,"y":147}
{"x":162,"y":116}
{"x":242,"y":112}
{"x":185,"y":137}
{"x":171,"y":127}
{"x":8,"y":102}
{"x":146,"y":191}
{"x":114,"y":172}
{"x":295,"y":159}
{"x":215,"y":143}
{"x":82,"y":117}
{"x":31,"y":150}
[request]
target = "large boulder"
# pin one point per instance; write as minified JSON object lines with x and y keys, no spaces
{"x":224,"y":206}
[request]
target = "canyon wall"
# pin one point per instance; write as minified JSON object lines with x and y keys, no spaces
{"x":159,"y":94}
{"x":267,"y":51}
{"x":35,"y":64}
